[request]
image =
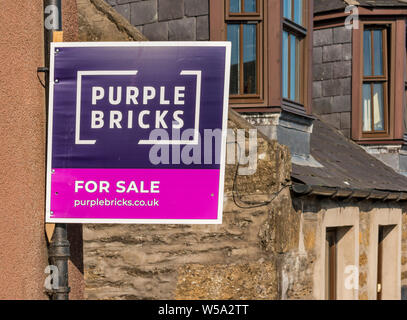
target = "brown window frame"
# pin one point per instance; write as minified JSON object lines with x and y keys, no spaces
{"x":247,"y":15}
{"x":241,"y":19}
{"x":270,"y":87}
{"x":301,"y":33}
{"x":378,"y":79}
{"x":393,"y":95}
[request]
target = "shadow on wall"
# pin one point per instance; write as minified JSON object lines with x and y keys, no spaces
{"x":404,"y":293}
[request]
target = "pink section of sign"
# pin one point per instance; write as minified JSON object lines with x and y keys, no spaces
{"x":145,"y":194}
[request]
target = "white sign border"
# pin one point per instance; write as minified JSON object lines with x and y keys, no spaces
{"x":54,"y":45}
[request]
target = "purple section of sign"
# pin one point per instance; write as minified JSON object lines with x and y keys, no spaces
{"x":135,"y":194}
{"x":164,"y":96}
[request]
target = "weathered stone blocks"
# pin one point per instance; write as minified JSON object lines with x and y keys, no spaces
{"x":332,"y":76}
{"x":196,"y":7}
{"x":143,"y":12}
{"x":156,"y":31}
{"x":170,"y":9}
{"x":182,"y":29}
{"x":163,"y":20}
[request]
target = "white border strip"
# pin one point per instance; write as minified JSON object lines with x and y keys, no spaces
{"x":226,"y":45}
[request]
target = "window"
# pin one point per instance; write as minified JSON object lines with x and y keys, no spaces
{"x":256,"y":29}
{"x":243,"y":26}
{"x":375,"y":80}
{"x":378,"y":80}
{"x":293,"y":50}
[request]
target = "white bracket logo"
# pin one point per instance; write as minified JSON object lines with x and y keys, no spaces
{"x":81,"y":74}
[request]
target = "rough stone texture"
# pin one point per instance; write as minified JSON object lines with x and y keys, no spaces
{"x":99,"y":22}
{"x":332,"y":75}
{"x":143,"y":12}
{"x":322,"y":105}
{"x":195,"y":8}
{"x":170,"y":10}
{"x":347,"y":51}
{"x":363,"y":254}
{"x":156,"y":31}
{"x":343,"y":70}
{"x":323,"y":71}
{"x":163,"y":20}
{"x":342,"y":104}
{"x":235,"y":260}
{"x":323,"y":37}
{"x":317,"y":55}
{"x":124,"y":10}
{"x":346,"y":120}
{"x":342,"y":35}
{"x":332,"y":53}
{"x":331,"y":88}
{"x":182,"y":29}
{"x":202,"y":28}
{"x":226,"y":282}
{"x":317,"y":89}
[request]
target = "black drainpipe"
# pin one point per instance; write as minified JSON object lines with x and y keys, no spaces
{"x":58,"y":252}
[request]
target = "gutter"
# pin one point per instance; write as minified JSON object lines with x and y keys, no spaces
{"x":335,"y":192}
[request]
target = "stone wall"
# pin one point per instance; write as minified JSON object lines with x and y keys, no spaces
{"x":269,"y":251}
{"x":100,"y":22}
{"x":240,"y":259}
{"x":167,"y":20}
{"x":362,"y":219}
{"x":332,"y":72}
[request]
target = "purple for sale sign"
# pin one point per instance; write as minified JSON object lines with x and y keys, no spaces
{"x":137,"y":132}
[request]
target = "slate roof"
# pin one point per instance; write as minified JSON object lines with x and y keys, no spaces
{"x":332,"y":5}
{"x":345,"y":165}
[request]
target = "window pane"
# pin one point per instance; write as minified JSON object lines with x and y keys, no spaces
{"x":378,"y":101}
{"x":298,"y":11}
{"x":285,"y":64}
{"x":378,"y":52}
{"x":293,"y":65}
{"x":233,"y":31}
{"x":235,"y":6}
{"x":287,"y":9}
{"x":367,"y":110}
{"x":250,"y":6}
{"x":367,"y":52}
{"x":249,"y":58}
